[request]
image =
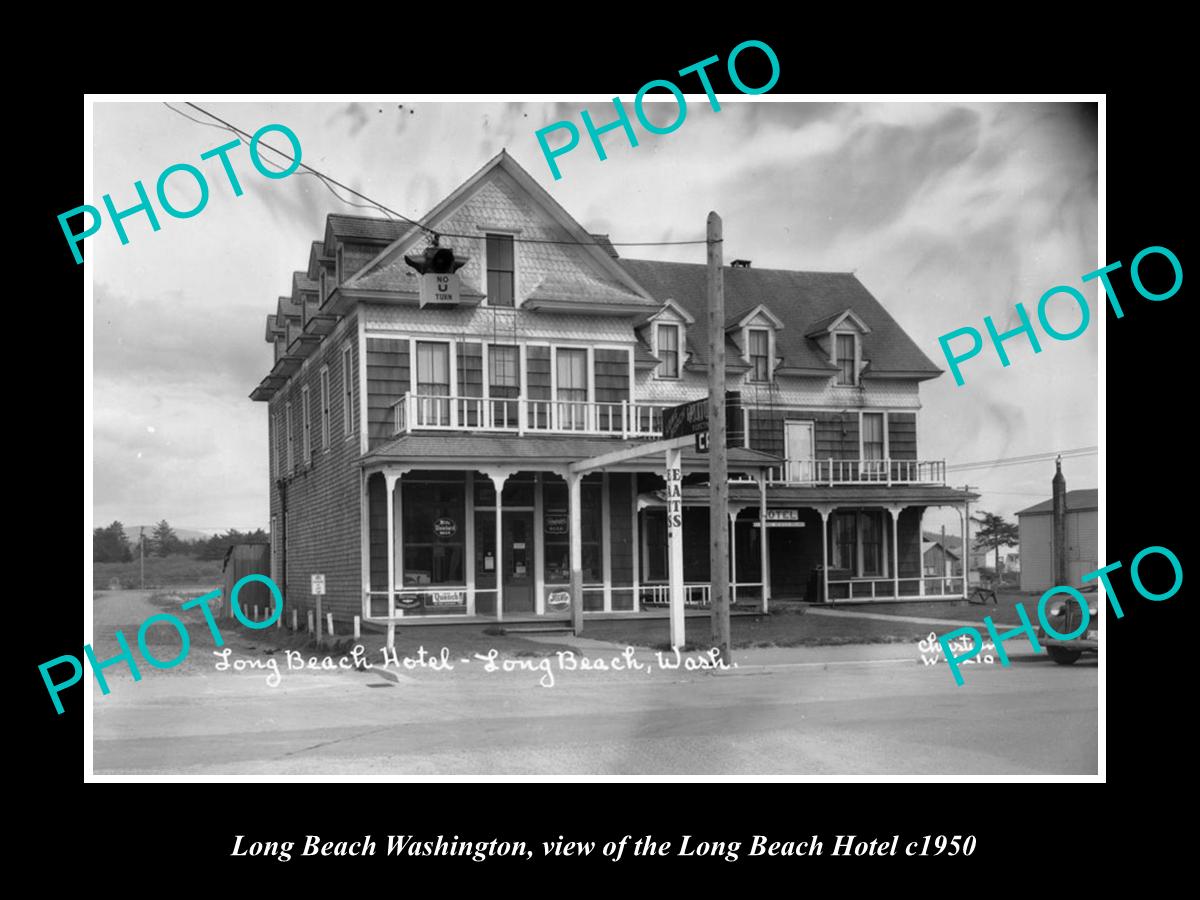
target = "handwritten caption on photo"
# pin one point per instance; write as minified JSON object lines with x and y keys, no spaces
{"x":492,"y":661}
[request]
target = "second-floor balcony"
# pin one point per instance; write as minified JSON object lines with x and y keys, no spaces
{"x":860,"y":471}
{"x":522,"y":415}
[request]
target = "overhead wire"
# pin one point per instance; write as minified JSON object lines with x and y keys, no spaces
{"x":328,"y":181}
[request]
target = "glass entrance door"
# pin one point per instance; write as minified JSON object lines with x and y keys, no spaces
{"x":518,"y":562}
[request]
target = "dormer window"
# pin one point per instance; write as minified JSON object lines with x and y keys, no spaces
{"x":759,"y":353}
{"x":668,"y":351}
{"x":846,"y":358}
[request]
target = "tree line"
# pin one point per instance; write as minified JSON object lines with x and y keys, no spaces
{"x":111,"y":544}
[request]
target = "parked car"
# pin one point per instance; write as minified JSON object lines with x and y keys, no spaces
{"x":1065,"y":616}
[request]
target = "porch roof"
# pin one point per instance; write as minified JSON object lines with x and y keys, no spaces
{"x":794,"y":495}
{"x":429,"y":450}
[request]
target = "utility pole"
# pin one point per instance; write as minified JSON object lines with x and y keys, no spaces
{"x":718,"y":469}
{"x":142,"y":553}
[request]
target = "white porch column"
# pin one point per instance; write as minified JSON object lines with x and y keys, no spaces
{"x":391,"y":479}
{"x":606,"y":540}
{"x":895,"y":511}
{"x":734,"y":512}
{"x":635,"y":542}
{"x":469,"y":538}
{"x":824,"y":511}
{"x":764,"y":552}
{"x":675,"y":544}
{"x":498,"y":479}
{"x":573,"y":504}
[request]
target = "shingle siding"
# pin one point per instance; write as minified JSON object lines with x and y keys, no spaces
{"x":320,"y":531}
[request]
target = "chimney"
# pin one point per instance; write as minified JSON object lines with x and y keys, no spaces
{"x":1059,"y":488}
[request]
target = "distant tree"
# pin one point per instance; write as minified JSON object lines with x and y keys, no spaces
{"x":216,"y":546}
{"x":163,"y":540}
{"x":994,"y":532}
{"x":110,"y":544}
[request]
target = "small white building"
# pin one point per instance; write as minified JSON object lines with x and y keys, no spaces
{"x":1037,"y":540}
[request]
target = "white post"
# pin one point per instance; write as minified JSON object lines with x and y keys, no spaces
{"x":675,"y":544}
{"x":764,"y":552}
{"x":329,"y":623}
{"x":390,"y":483}
{"x":895,"y":511}
{"x":498,"y":480}
{"x":294,"y":625}
{"x":635,"y":541}
{"x":574,"y":500}
{"x":606,"y":540}
{"x":825,"y":551}
{"x":310,"y":622}
{"x":357,"y":628}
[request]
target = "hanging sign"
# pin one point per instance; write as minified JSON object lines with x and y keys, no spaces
{"x":445,"y":528}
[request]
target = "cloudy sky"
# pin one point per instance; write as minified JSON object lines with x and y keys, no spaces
{"x":946,"y":212}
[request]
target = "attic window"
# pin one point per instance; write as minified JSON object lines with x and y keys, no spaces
{"x":668,"y":351}
{"x":759,"y":340}
{"x":846,"y":358}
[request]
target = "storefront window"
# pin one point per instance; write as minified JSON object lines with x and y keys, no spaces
{"x":845,"y":541}
{"x":654,"y":546}
{"x":556,"y":523}
{"x":433,"y":531}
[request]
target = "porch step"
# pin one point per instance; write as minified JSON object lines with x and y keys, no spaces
{"x":537,"y":629}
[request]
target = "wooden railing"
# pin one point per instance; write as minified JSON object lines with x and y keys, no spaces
{"x":521,"y":415}
{"x":860,"y":471}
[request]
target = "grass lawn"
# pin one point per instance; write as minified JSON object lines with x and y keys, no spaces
{"x":176,"y":570}
{"x":784,"y":627}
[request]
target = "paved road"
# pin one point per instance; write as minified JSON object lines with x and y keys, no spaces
{"x":872,"y":709}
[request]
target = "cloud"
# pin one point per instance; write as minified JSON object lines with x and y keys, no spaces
{"x":947,"y":212}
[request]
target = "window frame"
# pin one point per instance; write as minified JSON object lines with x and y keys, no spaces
{"x":661,"y":372}
{"x":347,"y":392}
{"x":326,"y":408}
{"x":587,"y":382}
{"x":491,"y":370}
{"x":750,"y":357}
{"x":837,"y":358}
{"x":488,"y":234}
{"x":291,"y":446}
{"x":862,"y":440}
{"x":306,"y":424}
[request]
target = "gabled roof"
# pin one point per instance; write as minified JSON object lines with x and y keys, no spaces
{"x":1077,"y":501}
{"x":802,"y":300}
{"x":375,"y":276}
{"x":669,"y":305}
{"x":828,"y":324}
{"x":742,"y":319}
{"x":926,"y":546}
{"x":364,"y":228}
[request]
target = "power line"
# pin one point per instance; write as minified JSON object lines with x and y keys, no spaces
{"x":1006,"y":461}
{"x":327,"y":180}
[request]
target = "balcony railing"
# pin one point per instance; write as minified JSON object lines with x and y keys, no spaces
{"x":860,"y":471}
{"x":521,"y":415}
